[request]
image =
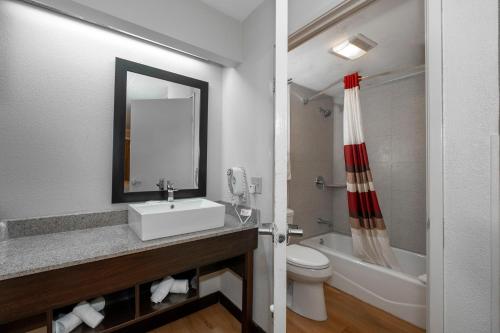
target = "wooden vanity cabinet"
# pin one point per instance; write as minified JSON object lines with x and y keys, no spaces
{"x":34,"y":300}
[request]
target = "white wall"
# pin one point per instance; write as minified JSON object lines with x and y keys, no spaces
{"x":302,"y":12}
{"x":187,"y":25}
{"x":471,"y":101}
{"x":248,"y":127}
{"x":191,"y":21}
{"x":57,"y":104}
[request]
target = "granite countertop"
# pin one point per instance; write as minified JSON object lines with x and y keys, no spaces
{"x":33,"y":254}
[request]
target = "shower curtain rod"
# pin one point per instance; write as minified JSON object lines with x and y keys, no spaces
{"x":411,"y":70}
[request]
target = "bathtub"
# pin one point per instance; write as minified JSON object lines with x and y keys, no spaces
{"x":399,"y":293}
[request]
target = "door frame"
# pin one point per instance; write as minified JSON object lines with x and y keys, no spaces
{"x":280,"y":165}
{"x":435,"y":167}
{"x":434,"y":122}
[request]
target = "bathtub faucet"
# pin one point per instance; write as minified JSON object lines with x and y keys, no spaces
{"x":323,"y":221}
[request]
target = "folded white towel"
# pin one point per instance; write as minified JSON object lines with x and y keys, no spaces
{"x":70,"y":321}
{"x":178,"y":287}
{"x":67,"y":323}
{"x":88,"y":314}
{"x":423,"y":278}
{"x":162,"y":290}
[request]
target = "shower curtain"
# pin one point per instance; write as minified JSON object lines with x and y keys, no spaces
{"x":369,"y":234}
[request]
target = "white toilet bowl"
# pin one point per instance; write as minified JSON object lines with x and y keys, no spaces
{"x":307,"y":269}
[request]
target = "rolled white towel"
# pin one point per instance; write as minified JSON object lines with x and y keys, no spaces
{"x":88,"y":314}
{"x":154,"y":286}
{"x":162,"y":290}
{"x":178,"y":287}
{"x":67,"y":323}
{"x":98,"y":303}
{"x":70,"y":321}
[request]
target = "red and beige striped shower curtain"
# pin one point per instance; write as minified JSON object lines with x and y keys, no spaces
{"x":369,"y":234}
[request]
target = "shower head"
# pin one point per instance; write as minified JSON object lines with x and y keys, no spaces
{"x":325,"y":112}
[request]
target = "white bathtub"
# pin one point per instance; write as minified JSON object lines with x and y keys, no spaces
{"x":399,"y":293}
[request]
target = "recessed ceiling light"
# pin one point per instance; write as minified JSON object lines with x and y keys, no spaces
{"x":354,"y":47}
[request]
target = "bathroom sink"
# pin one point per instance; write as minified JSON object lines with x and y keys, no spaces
{"x":157,"y":219}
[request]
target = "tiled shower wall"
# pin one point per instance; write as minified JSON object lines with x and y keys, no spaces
{"x":311,"y":155}
{"x":394,"y":125}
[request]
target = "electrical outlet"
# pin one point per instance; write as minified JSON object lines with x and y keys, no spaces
{"x":257,"y":182}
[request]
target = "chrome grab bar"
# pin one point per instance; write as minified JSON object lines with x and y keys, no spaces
{"x":320,"y":183}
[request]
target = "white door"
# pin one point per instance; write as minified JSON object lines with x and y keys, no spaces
{"x":280,"y":166}
{"x":435,"y":246}
{"x":280,"y":228}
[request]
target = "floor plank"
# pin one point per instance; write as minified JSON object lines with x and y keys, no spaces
{"x":214,"y":319}
{"x":346,"y":314}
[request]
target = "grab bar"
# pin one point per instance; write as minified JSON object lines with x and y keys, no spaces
{"x":320,"y":183}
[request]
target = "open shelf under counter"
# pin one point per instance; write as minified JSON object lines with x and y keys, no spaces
{"x":118,"y":312}
{"x":147,"y":307}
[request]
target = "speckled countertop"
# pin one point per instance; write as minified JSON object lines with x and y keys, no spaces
{"x":34,"y":254}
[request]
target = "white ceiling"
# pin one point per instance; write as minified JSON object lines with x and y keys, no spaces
{"x":237,"y":9}
{"x":396,"y":25}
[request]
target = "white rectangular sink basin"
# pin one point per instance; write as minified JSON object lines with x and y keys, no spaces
{"x":157,"y":219}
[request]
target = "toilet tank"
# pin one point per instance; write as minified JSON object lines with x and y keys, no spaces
{"x":289,"y":216}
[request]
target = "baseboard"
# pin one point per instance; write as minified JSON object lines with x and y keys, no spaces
{"x":230,"y":306}
{"x":187,"y":309}
{"x":236,"y":312}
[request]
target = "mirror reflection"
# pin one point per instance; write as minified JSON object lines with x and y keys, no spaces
{"x":161,"y":135}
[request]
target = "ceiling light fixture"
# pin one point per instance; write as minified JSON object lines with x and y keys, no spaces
{"x":354,"y":47}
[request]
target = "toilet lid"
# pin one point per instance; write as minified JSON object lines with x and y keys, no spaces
{"x":306,"y":257}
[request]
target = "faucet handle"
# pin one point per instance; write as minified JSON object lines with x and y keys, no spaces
{"x":170,"y":186}
{"x":161,"y":184}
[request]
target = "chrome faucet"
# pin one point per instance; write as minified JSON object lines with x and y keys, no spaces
{"x":161,"y":184}
{"x":170,"y":189}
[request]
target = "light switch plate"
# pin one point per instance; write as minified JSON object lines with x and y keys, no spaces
{"x":257,"y":181}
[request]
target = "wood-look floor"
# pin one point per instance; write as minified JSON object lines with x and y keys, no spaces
{"x":346,"y":314}
{"x":214,"y":319}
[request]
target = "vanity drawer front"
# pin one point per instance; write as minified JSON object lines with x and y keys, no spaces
{"x":37,"y":293}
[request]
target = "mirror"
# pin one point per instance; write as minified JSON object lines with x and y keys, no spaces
{"x":159,"y":133}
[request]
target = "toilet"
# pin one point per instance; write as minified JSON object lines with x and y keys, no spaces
{"x":307,"y":269}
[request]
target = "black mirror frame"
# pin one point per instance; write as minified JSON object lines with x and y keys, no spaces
{"x":118,"y":194}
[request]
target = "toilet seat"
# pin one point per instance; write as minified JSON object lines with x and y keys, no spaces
{"x":307,"y":269}
{"x":306,"y":257}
